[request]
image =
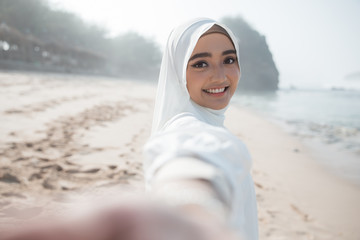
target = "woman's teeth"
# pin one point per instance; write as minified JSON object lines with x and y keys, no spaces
{"x":215,"y":90}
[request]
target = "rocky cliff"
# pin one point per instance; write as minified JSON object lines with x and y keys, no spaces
{"x":258,"y":69}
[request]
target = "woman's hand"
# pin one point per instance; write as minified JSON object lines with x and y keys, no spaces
{"x":127,"y":222}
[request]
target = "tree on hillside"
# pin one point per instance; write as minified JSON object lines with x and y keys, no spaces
{"x":136,"y":54}
{"x":26,"y":16}
{"x":35,"y":17}
{"x":65,"y":39}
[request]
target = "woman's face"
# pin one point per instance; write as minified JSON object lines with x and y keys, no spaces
{"x":213,"y":72}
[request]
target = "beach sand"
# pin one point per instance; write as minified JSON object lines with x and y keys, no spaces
{"x":66,"y":137}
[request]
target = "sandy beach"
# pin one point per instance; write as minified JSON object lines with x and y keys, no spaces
{"x":64,"y":135}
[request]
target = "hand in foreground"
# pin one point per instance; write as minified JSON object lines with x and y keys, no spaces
{"x":126,"y":222}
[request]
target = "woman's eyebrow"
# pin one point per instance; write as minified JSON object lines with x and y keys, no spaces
{"x":199,"y":55}
{"x":229,"y":52}
{"x":206,"y":54}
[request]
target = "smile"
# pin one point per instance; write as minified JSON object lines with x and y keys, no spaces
{"x":216,"y":90}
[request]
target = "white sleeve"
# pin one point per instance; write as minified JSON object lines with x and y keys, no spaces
{"x":192,"y":168}
{"x":217,"y":156}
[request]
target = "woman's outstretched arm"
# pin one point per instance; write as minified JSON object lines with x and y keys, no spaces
{"x":191,"y":202}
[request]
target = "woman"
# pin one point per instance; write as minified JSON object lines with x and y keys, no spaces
{"x":192,"y":160}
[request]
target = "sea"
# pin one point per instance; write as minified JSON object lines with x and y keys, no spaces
{"x":327,"y":121}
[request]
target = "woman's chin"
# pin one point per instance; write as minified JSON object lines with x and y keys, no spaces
{"x":216,"y":105}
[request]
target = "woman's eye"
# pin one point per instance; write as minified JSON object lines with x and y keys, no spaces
{"x":229,"y":60}
{"x":199,"y":65}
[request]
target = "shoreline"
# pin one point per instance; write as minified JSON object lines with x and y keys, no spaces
{"x":344,"y":165}
{"x":63,"y":135}
{"x":286,"y":171}
{"x":332,"y":155}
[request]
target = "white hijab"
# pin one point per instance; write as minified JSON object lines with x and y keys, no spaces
{"x":172,"y":95}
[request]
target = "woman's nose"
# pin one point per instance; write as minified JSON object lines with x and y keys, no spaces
{"x":218,"y":73}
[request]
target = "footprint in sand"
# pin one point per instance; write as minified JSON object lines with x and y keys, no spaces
{"x":305,"y":217}
{"x":71,"y":163}
{"x":90,"y":170}
{"x":258,"y":185}
{"x":35,"y":176}
{"x":49,"y":183}
{"x":9,"y":178}
{"x":56,"y":167}
{"x":272,"y":213}
{"x":112,"y":167}
{"x":13,"y":111}
{"x":13,"y":194}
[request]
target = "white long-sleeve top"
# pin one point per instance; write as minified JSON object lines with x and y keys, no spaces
{"x":209,"y":152}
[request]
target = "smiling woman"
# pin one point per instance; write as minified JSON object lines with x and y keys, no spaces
{"x":192,"y":160}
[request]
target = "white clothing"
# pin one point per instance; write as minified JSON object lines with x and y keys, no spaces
{"x":182,"y":128}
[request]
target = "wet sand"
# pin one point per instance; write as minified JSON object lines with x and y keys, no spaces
{"x":65,"y":136}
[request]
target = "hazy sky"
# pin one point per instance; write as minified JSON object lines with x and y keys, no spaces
{"x":315,"y":43}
